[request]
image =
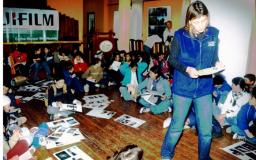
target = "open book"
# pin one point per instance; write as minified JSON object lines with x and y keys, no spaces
{"x":151,"y":97}
{"x":211,"y":70}
{"x":115,"y":65}
{"x":71,"y":107}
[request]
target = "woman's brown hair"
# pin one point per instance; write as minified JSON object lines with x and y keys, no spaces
{"x":195,"y":9}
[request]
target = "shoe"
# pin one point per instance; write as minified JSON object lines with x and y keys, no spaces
{"x":167,"y":122}
{"x":144,"y":110}
{"x":169,"y":109}
{"x":111,"y":83}
{"x":97,"y":85}
{"x":228,"y":130}
{"x":236,"y":136}
{"x":186,"y":127}
{"x":86,"y":88}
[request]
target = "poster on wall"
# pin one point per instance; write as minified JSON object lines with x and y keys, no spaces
{"x":156,"y":18}
{"x":29,"y":25}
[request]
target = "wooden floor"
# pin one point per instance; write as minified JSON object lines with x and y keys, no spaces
{"x":103,"y":137}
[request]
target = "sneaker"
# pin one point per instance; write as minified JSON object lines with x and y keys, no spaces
{"x":186,"y":127}
{"x":169,"y":109}
{"x":144,"y":110}
{"x":167,"y":122}
{"x":97,"y":85}
{"x":228,"y":130}
{"x":111,"y":83}
{"x":236,"y":136}
{"x":86,"y":88}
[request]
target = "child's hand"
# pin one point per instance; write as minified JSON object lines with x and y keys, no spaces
{"x":221,"y":119}
{"x":214,"y":94}
{"x":163,"y":97}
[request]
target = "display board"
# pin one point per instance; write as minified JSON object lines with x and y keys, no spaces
{"x":29,"y":25}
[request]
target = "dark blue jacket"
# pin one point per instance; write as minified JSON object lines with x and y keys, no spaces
{"x":246,"y":114}
{"x":199,"y":53}
{"x":222,"y":92}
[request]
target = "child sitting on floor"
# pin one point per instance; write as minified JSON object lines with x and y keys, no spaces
{"x":58,"y":94}
{"x":11,"y":121}
{"x":236,"y":98}
{"x":245,"y":117}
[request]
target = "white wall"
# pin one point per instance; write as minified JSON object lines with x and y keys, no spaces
{"x":251,"y":66}
{"x":234,"y":20}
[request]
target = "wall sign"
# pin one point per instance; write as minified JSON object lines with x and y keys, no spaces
{"x":27,"y":25}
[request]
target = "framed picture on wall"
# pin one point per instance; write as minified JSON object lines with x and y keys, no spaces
{"x":156,"y":18}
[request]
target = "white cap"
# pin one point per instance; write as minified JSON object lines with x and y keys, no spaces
{"x":167,"y":20}
{"x":6,"y":100}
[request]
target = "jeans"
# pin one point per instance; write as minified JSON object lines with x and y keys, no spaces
{"x":240,"y":132}
{"x":37,"y":66}
{"x":125,"y":93}
{"x":203,"y":110}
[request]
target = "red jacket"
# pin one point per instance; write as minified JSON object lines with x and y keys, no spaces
{"x":19,"y":57}
{"x":80,"y":67}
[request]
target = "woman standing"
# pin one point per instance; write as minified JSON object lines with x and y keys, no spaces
{"x":194,"y":47}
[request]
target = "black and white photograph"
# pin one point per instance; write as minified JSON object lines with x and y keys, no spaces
{"x":128,"y":79}
{"x":242,"y":150}
{"x":39,"y":96}
{"x":73,"y":153}
{"x":100,"y":113}
{"x":63,"y":155}
{"x":71,"y":121}
{"x":71,"y":107}
{"x":29,"y":88}
{"x":130,"y":121}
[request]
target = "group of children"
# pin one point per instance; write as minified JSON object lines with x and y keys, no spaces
{"x":147,"y":83}
{"x":234,"y":108}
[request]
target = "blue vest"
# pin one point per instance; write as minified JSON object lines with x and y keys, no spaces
{"x":199,"y":53}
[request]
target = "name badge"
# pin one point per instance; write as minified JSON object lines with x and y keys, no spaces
{"x":211,"y":43}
